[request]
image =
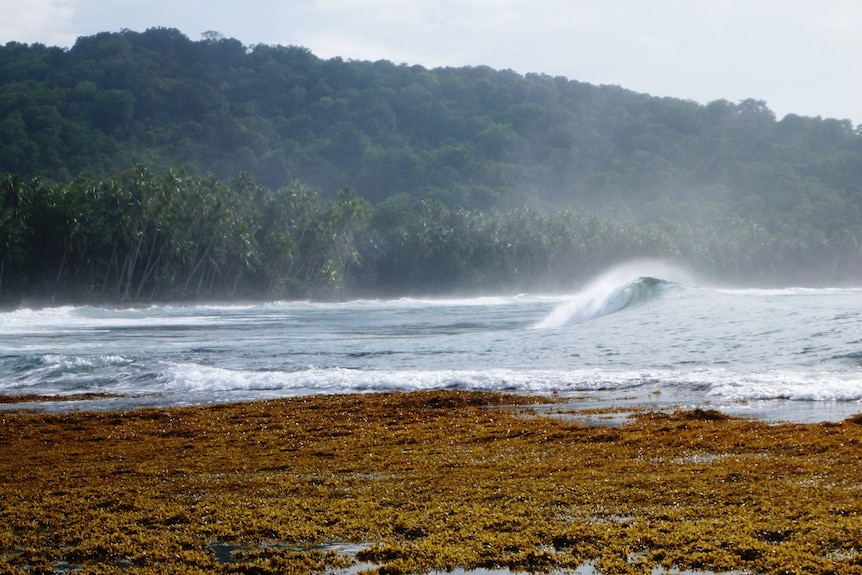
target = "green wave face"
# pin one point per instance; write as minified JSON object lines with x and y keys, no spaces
{"x":606,"y":299}
{"x":634,"y":293}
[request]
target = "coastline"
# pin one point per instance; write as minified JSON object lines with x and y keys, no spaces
{"x":423,"y":481}
{"x":620,"y":403}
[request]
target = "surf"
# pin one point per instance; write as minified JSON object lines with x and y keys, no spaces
{"x":618,"y":289}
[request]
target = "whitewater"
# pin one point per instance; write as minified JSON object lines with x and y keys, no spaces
{"x":636,"y":336}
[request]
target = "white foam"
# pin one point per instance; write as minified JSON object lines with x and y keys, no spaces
{"x":72,"y":362}
{"x":783,"y":384}
{"x":69,"y":319}
{"x":187,"y":377}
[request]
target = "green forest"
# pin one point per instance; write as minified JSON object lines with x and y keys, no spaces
{"x":146,"y":166}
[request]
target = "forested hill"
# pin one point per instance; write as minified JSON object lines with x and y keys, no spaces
{"x":700,"y":182}
{"x":472,"y":137}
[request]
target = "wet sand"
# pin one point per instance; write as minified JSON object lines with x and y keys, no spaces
{"x":415,"y":482}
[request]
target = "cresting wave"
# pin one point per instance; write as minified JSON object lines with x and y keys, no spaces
{"x":602,"y":299}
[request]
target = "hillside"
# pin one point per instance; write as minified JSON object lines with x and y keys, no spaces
{"x":725,"y":187}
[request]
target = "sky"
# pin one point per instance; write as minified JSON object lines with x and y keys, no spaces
{"x":800,"y":56}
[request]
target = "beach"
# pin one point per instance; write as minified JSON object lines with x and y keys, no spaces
{"x":426,"y":481}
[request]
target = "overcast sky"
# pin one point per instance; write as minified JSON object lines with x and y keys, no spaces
{"x":800,"y":56}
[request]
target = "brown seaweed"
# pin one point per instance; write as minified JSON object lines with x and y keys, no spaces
{"x":423,"y":481}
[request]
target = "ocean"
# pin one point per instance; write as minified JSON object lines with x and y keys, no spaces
{"x":641,"y":335}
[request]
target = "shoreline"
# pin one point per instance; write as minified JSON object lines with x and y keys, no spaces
{"x":621,"y":402}
{"x":425,"y":481}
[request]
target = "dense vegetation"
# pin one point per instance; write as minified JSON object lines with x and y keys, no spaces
{"x":272,"y":173}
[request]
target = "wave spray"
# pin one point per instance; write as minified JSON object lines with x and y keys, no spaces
{"x":616,"y":289}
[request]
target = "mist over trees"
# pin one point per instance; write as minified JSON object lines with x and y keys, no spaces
{"x":147,"y":166}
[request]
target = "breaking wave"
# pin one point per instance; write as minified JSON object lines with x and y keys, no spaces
{"x":603,"y":298}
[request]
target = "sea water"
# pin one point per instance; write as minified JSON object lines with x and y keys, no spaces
{"x":637,"y":336}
